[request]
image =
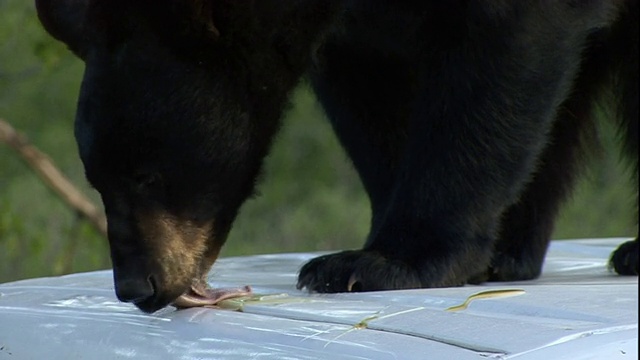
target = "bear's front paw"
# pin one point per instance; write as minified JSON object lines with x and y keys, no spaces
{"x":361,"y":270}
{"x":624,"y":259}
{"x":356,"y":271}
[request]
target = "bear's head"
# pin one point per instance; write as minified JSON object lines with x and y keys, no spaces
{"x":178,"y":105}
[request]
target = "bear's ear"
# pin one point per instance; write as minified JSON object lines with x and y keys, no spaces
{"x":63,"y":19}
{"x":202,"y":11}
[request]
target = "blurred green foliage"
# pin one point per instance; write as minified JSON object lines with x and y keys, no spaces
{"x":311,"y":199}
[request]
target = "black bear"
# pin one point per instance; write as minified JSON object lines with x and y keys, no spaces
{"x":465,"y":120}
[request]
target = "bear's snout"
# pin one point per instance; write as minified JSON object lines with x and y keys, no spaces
{"x":135,"y":289}
{"x":148,"y":288}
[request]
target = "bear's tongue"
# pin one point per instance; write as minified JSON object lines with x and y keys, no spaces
{"x":199,"y":295}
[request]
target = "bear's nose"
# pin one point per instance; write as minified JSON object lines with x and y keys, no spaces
{"x":135,"y":290}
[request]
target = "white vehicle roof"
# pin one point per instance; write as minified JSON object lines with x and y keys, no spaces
{"x":576,"y":310}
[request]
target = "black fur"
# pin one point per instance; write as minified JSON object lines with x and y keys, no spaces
{"x":466,"y":121}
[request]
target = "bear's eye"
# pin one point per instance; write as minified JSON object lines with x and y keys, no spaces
{"x":147,"y":181}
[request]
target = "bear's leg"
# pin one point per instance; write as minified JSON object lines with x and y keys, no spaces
{"x":484,"y":104}
{"x":527,"y":225}
{"x":625,"y":259}
{"x":367,"y":97}
{"x":468,"y":154}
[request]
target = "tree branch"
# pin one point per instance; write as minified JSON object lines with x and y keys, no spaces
{"x":44,"y":167}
